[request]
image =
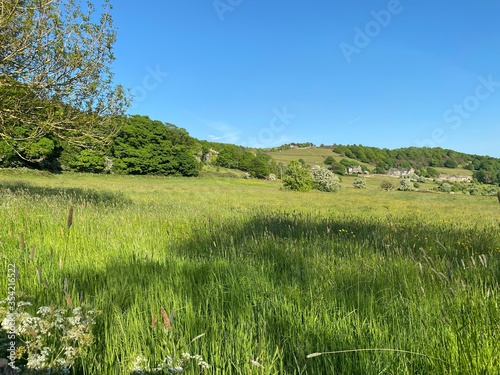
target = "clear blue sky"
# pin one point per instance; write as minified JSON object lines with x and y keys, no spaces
{"x":263,"y":73}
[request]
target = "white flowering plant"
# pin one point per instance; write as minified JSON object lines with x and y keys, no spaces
{"x":51,"y":340}
{"x":141,"y":365}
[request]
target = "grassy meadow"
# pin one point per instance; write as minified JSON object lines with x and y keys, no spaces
{"x":390,"y":282}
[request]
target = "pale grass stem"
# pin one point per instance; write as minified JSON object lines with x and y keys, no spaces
{"x":317,"y":354}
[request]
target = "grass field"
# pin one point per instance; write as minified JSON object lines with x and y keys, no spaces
{"x":317,"y":155}
{"x":311,"y":155}
{"x":391,"y":282}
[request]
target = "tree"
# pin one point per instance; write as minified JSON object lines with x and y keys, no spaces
{"x":145,"y":146}
{"x":325,"y":180}
{"x":329,"y":160}
{"x":297,"y":177}
{"x":55,"y":76}
{"x":386,"y":185}
{"x":450,"y":163}
{"x":359,"y":183}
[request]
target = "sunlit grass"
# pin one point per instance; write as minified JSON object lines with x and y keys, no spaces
{"x":267,"y":276}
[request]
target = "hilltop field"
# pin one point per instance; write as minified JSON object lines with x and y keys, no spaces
{"x":254,"y":279}
{"x":317,"y":156}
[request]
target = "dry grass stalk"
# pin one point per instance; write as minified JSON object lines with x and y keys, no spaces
{"x":166,"y":319}
{"x":154,"y":320}
{"x":70,"y":217}
{"x":23,"y":244}
{"x":69,"y":302}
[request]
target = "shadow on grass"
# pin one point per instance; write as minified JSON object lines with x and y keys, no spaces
{"x":74,"y":195}
{"x":264,"y":273}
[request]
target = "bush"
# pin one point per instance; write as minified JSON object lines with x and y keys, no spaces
{"x":297,"y":177}
{"x":325,"y":180}
{"x":387,"y":185}
{"x":445,"y":187}
{"x":359,"y":183}
{"x":406,"y":185}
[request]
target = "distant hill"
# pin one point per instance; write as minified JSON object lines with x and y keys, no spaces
{"x":428,"y":162}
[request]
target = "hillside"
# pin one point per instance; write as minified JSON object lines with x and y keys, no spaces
{"x":428,"y":162}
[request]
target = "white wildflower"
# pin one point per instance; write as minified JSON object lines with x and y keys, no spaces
{"x":43,"y":310}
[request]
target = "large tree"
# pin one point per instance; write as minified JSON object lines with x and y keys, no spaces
{"x":55,"y":78}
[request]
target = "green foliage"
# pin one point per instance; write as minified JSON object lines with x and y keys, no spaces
{"x":450,"y":163}
{"x":359,"y":183}
{"x":406,"y":185}
{"x":55,"y":77}
{"x":257,"y":163}
{"x":337,"y":168}
{"x":486,"y":169}
{"x":297,"y":177}
{"x":145,"y":146}
{"x":329,"y":160}
{"x":431,"y":172}
{"x":445,"y":187}
{"x":386,"y":185}
{"x":324,"y":180}
{"x":88,"y":161}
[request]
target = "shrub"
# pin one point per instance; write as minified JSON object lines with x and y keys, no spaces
{"x":387,"y":185}
{"x":297,"y":177}
{"x":359,"y":183}
{"x":406,"y":185}
{"x":325,"y":180}
{"x":445,"y":187}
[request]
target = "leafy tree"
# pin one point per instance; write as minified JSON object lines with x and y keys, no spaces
{"x":387,"y":185}
{"x":359,"y":183}
{"x":325,"y":180}
{"x":337,"y":168}
{"x":431,"y":172}
{"x":145,"y":146}
{"x":329,"y":160}
{"x":297,"y":177}
{"x":406,"y":185}
{"x":88,"y":161}
{"x":450,"y":163}
{"x":55,"y":76}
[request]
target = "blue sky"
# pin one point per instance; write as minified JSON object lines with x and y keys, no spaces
{"x":263,"y":73}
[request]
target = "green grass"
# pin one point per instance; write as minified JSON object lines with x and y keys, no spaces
{"x":268,"y":276}
{"x":311,"y":155}
{"x":317,"y":155}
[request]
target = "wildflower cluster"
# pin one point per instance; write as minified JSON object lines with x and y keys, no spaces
{"x":52,"y":339}
{"x":325,"y":180}
{"x":359,"y":183}
{"x":141,"y":365}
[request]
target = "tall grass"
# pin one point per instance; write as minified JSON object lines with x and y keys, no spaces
{"x":400,"y":283}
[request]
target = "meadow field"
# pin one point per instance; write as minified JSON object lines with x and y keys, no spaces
{"x":251,"y":279}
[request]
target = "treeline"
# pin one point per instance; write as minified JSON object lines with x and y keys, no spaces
{"x":257,"y":163}
{"x":142,"y":146}
{"x":485,"y":168}
{"x":288,"y":146}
